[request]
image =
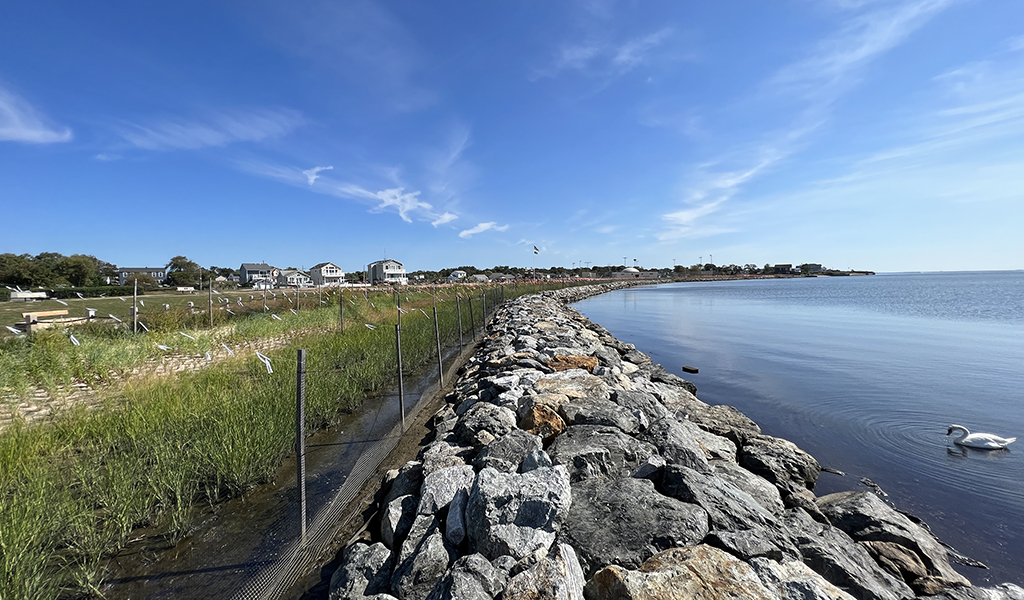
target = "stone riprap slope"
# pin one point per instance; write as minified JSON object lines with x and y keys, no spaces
{"x":566,"y":465}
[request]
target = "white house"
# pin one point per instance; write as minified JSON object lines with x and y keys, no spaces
{"x":386,"y":271}
{"x":456,"y":276}
{"x":326,"y":273}
{"x":294,"y":278}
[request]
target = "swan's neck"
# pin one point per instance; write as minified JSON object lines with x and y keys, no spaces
{"x":964,"y":432}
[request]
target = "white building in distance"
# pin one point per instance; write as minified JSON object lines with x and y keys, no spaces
{"x":327,"y":273}
{"x":386,"y":271}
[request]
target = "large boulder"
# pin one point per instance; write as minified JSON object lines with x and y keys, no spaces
{"x":440,"y":454}
{"x":574,"y":383}
{"x":543,"y":421}
{"x":365,"y":570}
{"x":440,"y":487}
{"x":416,"y":575}
{"x":740,"y":523}
{"x":564,"y":362}
{"x":696,"y":573}
{"x":626,"y":521}
{"x":866,"y":518}
{"x":600,"y":412}
{"x":517,"y":513}
{"x":556,"y":576}
{"x":396,"y":519}
{"x":472,"y":577}
{"x":483,"y":423}
{"x":793,"y":580}
{"x":838,"y":558}
{"x":675,"y":444}
{"x":507,"y":452}
{"x":404,"y":481}
{"x":641,"y":401}
{"x":780,"y":462}
{"x":594,"y":451}
{"x":763,"y":492}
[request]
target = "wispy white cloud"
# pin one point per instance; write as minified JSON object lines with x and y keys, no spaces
{"x":105,"y":157}
{"x":445,"y":218}
{"x":604,"y":58}
{"x":218,"y":129}
{"x":21,"y":122}
{"x":480,"y":228}
{"x":403,"y":202}
{"x":313,"y":174}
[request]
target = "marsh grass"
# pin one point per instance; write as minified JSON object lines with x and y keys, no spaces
{"x":73,"y":489}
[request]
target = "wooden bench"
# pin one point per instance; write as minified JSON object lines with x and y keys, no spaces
{"x":31,"y":317}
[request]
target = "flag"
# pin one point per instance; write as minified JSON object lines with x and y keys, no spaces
{"x":536,"y":250}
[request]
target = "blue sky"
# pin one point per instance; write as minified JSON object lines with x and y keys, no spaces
{"x":870,"y":134}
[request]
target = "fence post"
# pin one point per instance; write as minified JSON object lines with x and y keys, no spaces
{"x":472,"y":322}
{"x":401,"y":388}
{"x":300,"y":439}
{"x":502,"y":294}
{"x":458,"y":308}
{"x":341,"y":309}
{"x":483,"y":324}
{"x":296,"y":298}
{"x":437,"y":339}
{"x":210,"y":293}
{"x":264,"y":300}
{"x":135,"y":307}
{"x":399,"y":308}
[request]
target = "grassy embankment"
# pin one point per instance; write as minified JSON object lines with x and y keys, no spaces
{"x":73,"y":489}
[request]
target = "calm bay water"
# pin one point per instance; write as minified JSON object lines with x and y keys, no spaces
{"x":866,"y":374}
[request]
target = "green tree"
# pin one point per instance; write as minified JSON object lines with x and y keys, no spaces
{"x":79,"y":270}
{"x":146,"y":282}
{"x":182,"y":272}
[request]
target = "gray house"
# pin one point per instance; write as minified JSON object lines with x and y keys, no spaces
{"x":386,"y":271}
{"x":253,"y":272}
{"x":158,"y":273}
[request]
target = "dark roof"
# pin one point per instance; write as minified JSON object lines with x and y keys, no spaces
{"x":380,"y":262}
{"x":140,"y":269}
{"x":256,"y":267}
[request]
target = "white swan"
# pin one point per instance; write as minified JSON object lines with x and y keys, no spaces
{"x":983,"y":441}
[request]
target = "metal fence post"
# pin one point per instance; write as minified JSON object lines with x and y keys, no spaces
{"x":300,"y":439}
{"x":484,"y":323}
{"x":472,"y":322}
{"x":210,"y":294}
{"x":458,"y":308}
{"x":399,"y":308}
{"x":401,"y":388}
{"x":437,"y":339}
{"x":341,"y":309}
{"x":135,"y":307}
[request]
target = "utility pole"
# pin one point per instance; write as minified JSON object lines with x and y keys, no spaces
{"x":135,"y":306}
{"x":211,"y":303}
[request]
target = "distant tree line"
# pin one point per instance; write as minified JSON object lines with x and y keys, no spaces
{"x":51,"y":269}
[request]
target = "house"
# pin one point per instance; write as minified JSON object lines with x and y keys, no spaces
{"x":253,"y":272}
{"x":456,"y":276}
{"x":386,"y":271}
{"x":157,"y":273}
{"x":327,"y":273}
{"x":293,"y":278}
{"x":478,"y":278}
{"x":782,"y":269}
{"x":501,"y":277}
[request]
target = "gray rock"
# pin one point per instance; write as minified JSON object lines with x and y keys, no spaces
{"x":535,"y":460}
{"x":840,"y":560}
{"x":484,"y":418}
{"x":730,"y":510}
{"x":422,"y":526}
{"x":600,"y":412}
{"x":455,"y":523}
{"x":637,"y":357}
{"x":592,"y":451}
{"x":659,"y":374}
{"x":470,"y":578}
{"x":555,"y":577}
{"x":696,"y":573}
{"x":440,"y":454}
{"x":397,"y":518}
{"x":675,"y":444}
{"x":364,"y":570}
{"x":645,"y":402}
{"x":608,"y":357}
{"x":440,"y":487}
{"x":574,"y":383}
{"x":1004,"y":591}
{"x":780,"y":462}
{"x":515,"y":514}
{"x":763,"y":492}
{"x":508,"y":451}
{"x":416,"y":576}
{"x":866,"y":518}
{"x":406,"y":481}
{"x":793,"y":580}
{"x":715,"y":446}
{"x":626,"y":521}
{"x":650,"y":468}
